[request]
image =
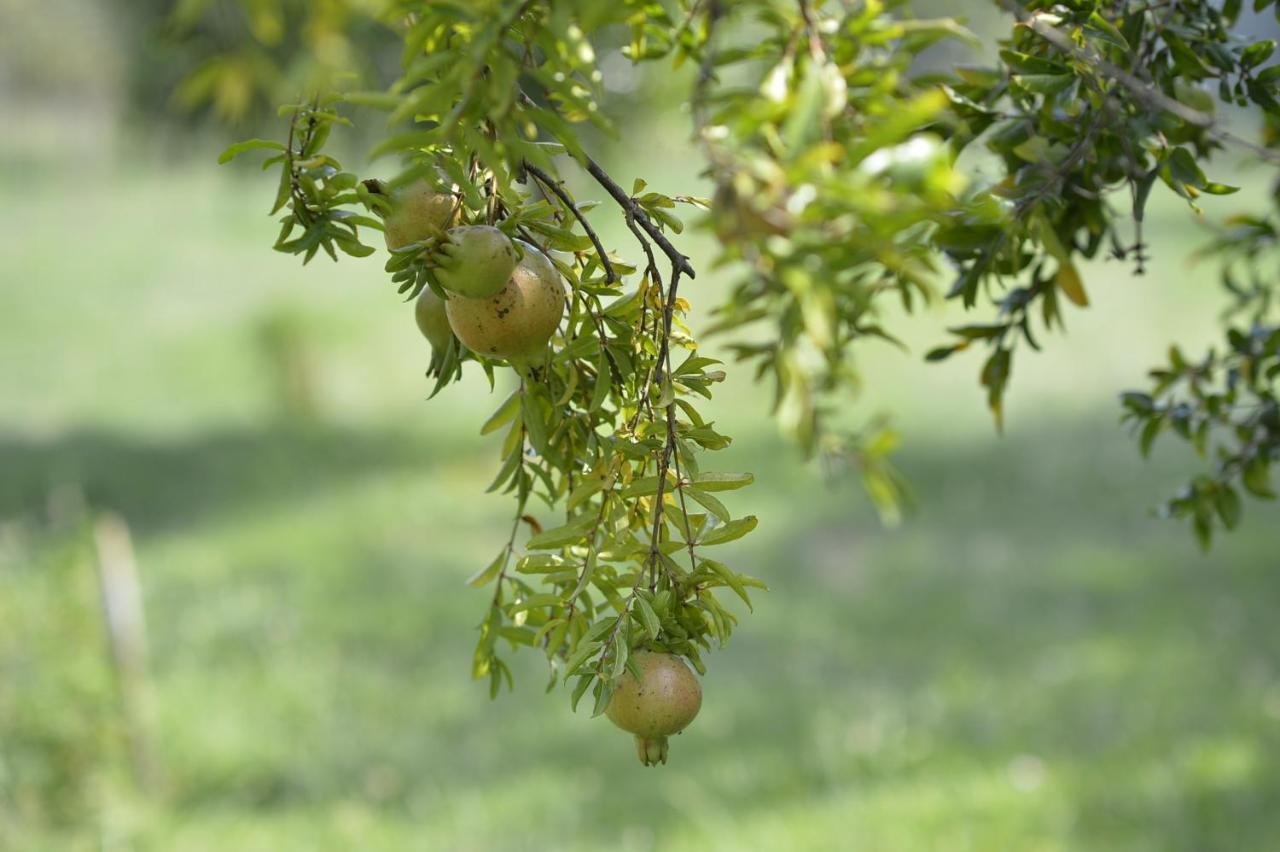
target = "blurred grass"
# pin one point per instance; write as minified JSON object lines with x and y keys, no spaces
{"x":1032,"y":663}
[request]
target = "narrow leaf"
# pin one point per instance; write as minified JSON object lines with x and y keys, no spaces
{"x":731,"y":531}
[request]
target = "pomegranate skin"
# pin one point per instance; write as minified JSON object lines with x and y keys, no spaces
{"x":433,"y":322}
{"x":418,"y":213}
{"x":662,"y":702}
{"x":475,"y":261}
{"x":518,"y":322}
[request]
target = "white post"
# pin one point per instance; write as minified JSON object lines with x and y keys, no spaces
{"x":122,"y":607}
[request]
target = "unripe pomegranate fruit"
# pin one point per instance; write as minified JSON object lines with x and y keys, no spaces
{"x":662,"y":702}
{"x":517,"y":322}
{"x":475,"y":261}
{"x":433,"y":322}
{"x":418,"y":212}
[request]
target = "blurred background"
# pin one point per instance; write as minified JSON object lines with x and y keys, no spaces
{"x":1031,"y":662}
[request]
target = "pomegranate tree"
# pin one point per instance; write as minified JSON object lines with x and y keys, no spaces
{"x":844,"y":192}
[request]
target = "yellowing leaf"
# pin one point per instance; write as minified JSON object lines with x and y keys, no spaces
{"x":1072,"y":285}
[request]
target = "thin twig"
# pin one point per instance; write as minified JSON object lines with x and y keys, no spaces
{"x":558,"y":190}
{"x":656,"y":276}
{"x":521,"y":503}
{"x":811,"y":29}
{"x":652,"y":562}
{"x":669,"y":445}
{"x":680,"y":483}
{"x":629,"y":205}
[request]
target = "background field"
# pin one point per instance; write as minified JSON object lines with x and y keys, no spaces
{"x":1032,"y":662}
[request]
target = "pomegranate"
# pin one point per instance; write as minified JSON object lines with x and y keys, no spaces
{"x":418,"y":212}
{"x":662,"y":702}
{"x":517,"y":322}
{"x":475,"y":261}
{"x":429,"y":311}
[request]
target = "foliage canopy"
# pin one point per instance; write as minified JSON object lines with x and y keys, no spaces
{"x":846,"y":180}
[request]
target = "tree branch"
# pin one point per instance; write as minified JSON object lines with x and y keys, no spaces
{"x":558,"y":190}
{"x":628,"y":204}
{"x":1139,"y":88}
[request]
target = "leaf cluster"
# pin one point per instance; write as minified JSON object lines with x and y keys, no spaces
{"x":848,"y":186}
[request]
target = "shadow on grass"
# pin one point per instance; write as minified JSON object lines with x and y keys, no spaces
{"x":1031,"y":632}
{"x":157,"y":483}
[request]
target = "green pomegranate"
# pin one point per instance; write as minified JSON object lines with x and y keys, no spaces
{"x":418,"y":212}
{"x":429,"y":311}
{"x":518,"y":321}
{"x":662,"y":702}
{"x":475,"y":261}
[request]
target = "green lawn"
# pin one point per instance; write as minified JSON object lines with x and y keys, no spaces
{"x":1031,"y":663}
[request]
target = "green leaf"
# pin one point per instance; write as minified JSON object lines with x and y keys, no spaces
{"x":723,"y":481}
{"x":1183,"y":166}
{"x":942,"y":353}
{"x":1107,"y":31}
{"x":580,"y":656}
{"x":1071,"y":284}
{"x":1044,"y":84}
{"x":620,"y":653}
{"x":994,"y":377}
{"x":282,"y":192}
{"x":731,"y":531}
{"x":1202,"y":524}
{"x":711,"y":504}
{"x":584,"y":491}
{"x":804,"y":116}
{"x":1258,"y":53}
{"x":1149,"y":433}
{"x":643,"y":487}
{"x":604,"y":382}
{"x":600,"y":628}
{"x":980,"y":331}
{"x":570,"y":533}
{"x":486,"y":575}
{"x":588,"y":573}
{"x":248,"y":145}
{"x":505,"y":413}
{"x":534,"y":423}
{"x":1185,"y":58}
{"x":579,"y":690}
{"x":604,"y":693}
{"x":730,"y":578}
{"x":1257,"y":479}
{"x":509,"y":466}
{"x":535,"y":602}
{"x":1227,"y":502}
{"x":652,"y":625}
{"x":541,"y":563}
